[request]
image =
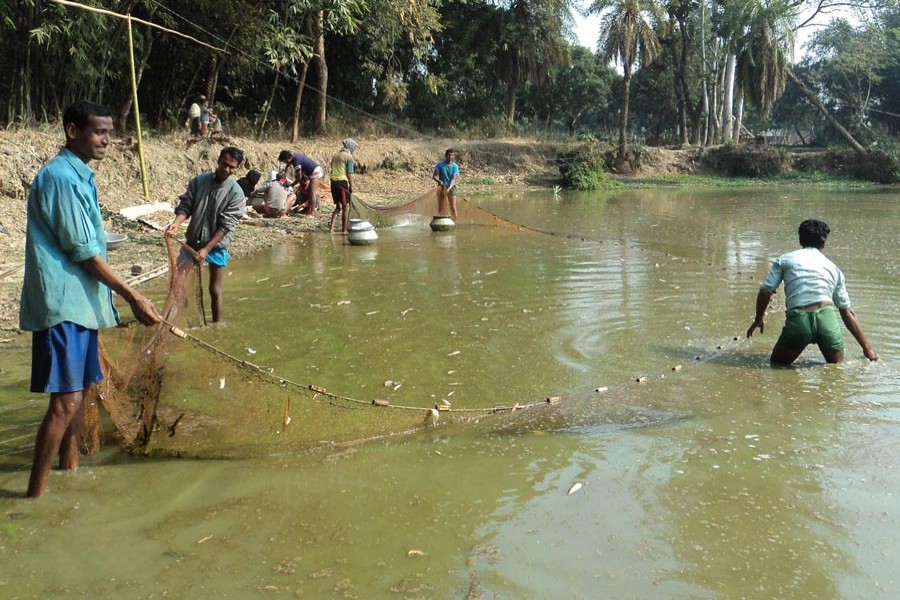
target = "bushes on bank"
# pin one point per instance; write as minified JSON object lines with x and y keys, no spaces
{"x":585,"y":168}
{"x":881,"y":164}
{"x":747,"y":160}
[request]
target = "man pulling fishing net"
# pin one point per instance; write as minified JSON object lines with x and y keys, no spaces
{"x":66,"y":294}
{"x":214,"y":203}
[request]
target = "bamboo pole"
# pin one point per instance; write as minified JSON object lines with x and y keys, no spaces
{"x":141,"y":21}
{"x":137,"y":112}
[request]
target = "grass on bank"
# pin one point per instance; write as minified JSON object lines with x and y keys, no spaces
{"x":815,"y":180}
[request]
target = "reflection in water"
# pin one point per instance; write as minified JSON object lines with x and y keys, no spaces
{"x":723,"y":478}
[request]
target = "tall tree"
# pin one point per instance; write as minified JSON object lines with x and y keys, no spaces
{"x":763,"y":60}
{"x":522,"y":42}
{"x":628,"y":38}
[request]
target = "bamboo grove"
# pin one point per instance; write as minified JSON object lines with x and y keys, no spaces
{"x":694,"y":72}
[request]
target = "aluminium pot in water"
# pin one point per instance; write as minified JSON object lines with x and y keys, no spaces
{"x":442,"y":223}
{"x":362,"y":233}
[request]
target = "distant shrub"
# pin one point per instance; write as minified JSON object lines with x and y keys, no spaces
{"x":747,"y":160}
{"x":585,"y":168}
{"x":634,"y":159}
{"x":881,"y":164}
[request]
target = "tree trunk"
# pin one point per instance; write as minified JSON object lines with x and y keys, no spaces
{"x":739,"y":118}
{"x":677,"y":67}
{"x":728,"y":101}
{"x":828,"y":116}
{"x":704,"y":79}
{"x":265,"y":115}
{"x":322,"y":72}
{"x":295,"y":125}
{"x":145,"y":56}
{"x":511,"y":103}
{"x":712,"y":126}
{"x":212,"y":82}
{"x":623,"y":113}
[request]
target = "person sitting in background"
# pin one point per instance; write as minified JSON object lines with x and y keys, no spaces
{"x":204,"y":118}
{"x":194,"y":114}
{"x":215,"y":122}
{"x":274,"y":198}
{"x":248,"y":182}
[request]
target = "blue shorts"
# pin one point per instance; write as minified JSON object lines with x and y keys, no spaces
{"x":64,"y":358}
{"x":218,"y":257}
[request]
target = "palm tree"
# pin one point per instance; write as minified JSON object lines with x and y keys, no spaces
{"x":762,"y":61}
{"x":522,"y":42}
{"x":627,"y":37}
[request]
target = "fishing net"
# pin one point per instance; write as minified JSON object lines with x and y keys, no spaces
{"x":187,"y":389}
{"x":422,"y":209}
{"x":177,"y":389}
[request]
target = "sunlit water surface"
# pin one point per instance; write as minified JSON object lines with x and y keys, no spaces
{"x":724,"y":479}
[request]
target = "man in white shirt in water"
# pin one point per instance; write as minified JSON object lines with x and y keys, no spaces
{"x":813,"y":287}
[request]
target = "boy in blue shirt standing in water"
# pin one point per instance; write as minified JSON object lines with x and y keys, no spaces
{"x":813,"y":287}
{"x":446,"y":174}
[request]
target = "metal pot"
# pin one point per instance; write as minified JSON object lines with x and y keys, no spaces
{"x":362,"y":233}
{"x":442,"y":223}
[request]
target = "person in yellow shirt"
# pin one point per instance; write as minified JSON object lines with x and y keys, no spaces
{"x":342,"y":183}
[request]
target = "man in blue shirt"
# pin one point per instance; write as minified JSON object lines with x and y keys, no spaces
{"x":446,"y":174}
{"x":67,"y":290}
{"x":813,"y":287}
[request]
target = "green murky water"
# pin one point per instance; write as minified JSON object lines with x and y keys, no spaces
{"x":727,"y":479}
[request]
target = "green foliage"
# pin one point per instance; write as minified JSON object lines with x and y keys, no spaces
{"x":747,"y":160}
{"x":585,"y":168}
{"x":881,"y":165}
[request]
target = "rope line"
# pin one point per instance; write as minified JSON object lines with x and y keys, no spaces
{"x":318,"y":390}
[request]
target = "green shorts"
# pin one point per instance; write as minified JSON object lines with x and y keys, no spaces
{"x":820,"y":327}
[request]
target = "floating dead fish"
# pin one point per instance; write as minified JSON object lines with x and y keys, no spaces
{"x":602,"y":389}
{"x":250,"y":350}
{"x":446,"y":402}
{"x":677,"y":368}
{"x":641,"y":379}
{"x":575,"y":487}
{"x":398,"y":386}
{"x":389,"y":383}
{"x":343,"y":302}
{"x":415,"y":553}
{"x":372,"y":312}
{"x":403,"y":313}
{"x":454,"y":353}
{"x":222,"y":384}
{"x":261,"y":280}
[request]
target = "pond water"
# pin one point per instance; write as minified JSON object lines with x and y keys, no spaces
{"x":724,"y":478}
